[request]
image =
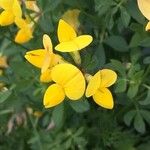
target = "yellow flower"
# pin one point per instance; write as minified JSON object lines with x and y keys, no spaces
{"x":44,"y":59}
{"x":27,"y":25}
{"x":69,"y":41}
{"x":25,"y":31}
{"x":3,"y":62}
{"x":144,"y":6}
{"x":35,"y":14}
{"x":11,"y":10}
{"x":32,"y":5}
{"x":69,"y":81}
{"x":72,"y":18}
{"x":98,"y":87}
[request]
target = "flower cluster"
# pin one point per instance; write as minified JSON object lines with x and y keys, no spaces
{"x":66,"y":79}
{"x":12,"y":14}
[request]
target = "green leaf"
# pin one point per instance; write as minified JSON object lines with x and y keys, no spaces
{"x":146,"y":60}
{"x":117,"y":43}
{"x":139,"y":124}
{"x":133,"y":90}
{"x":129,"y":116}
{"x":49,"y":5}
{"x":134,"y":11}
{"x":80,"y":106}
{"x":58,"y":115}
{"x":103,"y":6}
{"x":135,"y":54}
{"x":133,"y":69}
{"x":4,"y":95}
{"x":146,"y":101}
{"x":121,"y":85}
{"x":137,"y":77}
{"x":145,"y":42}
{"x":6,"y":111}
{"x":125,"y":16}
{"x":146,"y":115}
{"x":135,"y":40}
{"x":100,"y":57}
{"x":118,"y":66}
{"x":109,"y":19}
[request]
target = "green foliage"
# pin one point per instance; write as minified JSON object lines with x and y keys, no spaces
{"x":120,"y":43}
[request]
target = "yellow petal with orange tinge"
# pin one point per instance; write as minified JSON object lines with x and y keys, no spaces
{"x":103,"y":97}
{"x":78,"y":43}
{"x":46,"y":76}
{"x":21,"y":23}
{"x":144,"y":6}
{"x":47,"y":61}
{"x":65,"y":32}
{"x":93,"y":85}
{"x":6,"y":4}
{"x":108,"y":77}
{"x":57,"y":59}
{"x":36,"y":57}
{"x":47,"y":43}
{"x":16,"y":8}
{"x":6,"y":18}
{"x":147,"y":28}
{"x":32,"y":5}
{"x":70,"y":78}
{"x":23,"y":35}
{"x":53,"y":96}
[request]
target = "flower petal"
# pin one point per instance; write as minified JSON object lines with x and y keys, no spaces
{"x":74,"y":89}
{"x":46,"y":76}
{"x":23,"y":35}
{"x":83,"y":41}
{"x":47,"y":61}
{"x":147,"y":28}
{"x":3,"y":62}
{"x":16,"y":9}
{"x":93,"y":85}
{"x":6,"y":4}
{"x":72,"y":18}
{"x":74,"y":45}
{"x":70,"y":78}
{"x":108,"y":77}
{"x":6,"y":18}
{"x":63,"y":73}
{"x":103,"y":97}
{"x":56,"y":59}
{"x":21,"y":23}
{"x":144,"y":6}
{"x":53,"y":96}
{"x":36,"y":57}
{"x":32,"y":5}
{"x":65,"y":31}
{"x":47,"y":43}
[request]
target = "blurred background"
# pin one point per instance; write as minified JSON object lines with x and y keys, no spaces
{"x":120,"y":43}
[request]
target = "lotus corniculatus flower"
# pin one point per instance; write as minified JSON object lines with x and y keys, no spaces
{"x":11,"y":11}
{"x":98,"y":88}
{"x":68,"y":81}
{"x":44,"y":59}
